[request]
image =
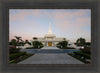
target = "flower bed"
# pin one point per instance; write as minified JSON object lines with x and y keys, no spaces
{"x":17,"y":57}
{"x":82,"y":55}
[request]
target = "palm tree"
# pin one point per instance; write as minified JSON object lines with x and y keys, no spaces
{"x":35,"y":38}
{"x":81,"y":41}
{"x":21,"y":40}
{"x":26,"y":41}
{"x":18,"y":38}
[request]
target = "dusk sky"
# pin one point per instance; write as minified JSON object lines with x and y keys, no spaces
{"x":69,"y":23}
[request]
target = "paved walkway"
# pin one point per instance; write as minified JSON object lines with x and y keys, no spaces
{"x":49,"y":47}
{"x":51,"y":59}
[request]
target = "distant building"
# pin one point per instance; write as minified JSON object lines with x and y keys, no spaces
{"x":25,"y":46}
{"x":49,"y":39}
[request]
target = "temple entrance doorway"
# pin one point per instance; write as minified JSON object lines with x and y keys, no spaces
{"x":49,"y":43}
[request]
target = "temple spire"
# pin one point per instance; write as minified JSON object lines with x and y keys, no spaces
{"x":49,"y":32}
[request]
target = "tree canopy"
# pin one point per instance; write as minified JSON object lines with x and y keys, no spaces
{"x":80,"y":41}
{"x":62,"y":44}
{"x":37,"y":44}
{"x":13,"y":42}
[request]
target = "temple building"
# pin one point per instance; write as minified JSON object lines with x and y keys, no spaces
{"x":49,"y":39}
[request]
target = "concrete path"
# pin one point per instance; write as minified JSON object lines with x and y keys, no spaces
{"x":51,"y":59}
{"x":49,"y":47}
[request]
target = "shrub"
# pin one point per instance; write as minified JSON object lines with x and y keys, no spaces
{"x":87,"y":51}
{"x":14,"y":56}
{"x":82,"y":54}
{"x":70,"y":48}
{"x":37,"y":44}
{"x":62,"y":44}
{"x":14,"y":50}
{"x":30,"y":48}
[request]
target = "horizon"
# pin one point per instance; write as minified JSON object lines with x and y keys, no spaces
{"x":69,"y":23}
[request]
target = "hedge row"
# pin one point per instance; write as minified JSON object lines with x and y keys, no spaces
{"x":86,"y":51}
{"x":30,"y":48}
{"x":82,"y":54}
{"x":14,"y":50}
{"x":14,"y":56}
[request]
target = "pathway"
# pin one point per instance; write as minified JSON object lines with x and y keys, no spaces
{"x":51,"y":59}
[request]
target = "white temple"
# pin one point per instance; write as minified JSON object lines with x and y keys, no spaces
{"x":49,"y":39}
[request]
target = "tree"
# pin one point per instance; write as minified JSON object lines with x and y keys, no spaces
{"x":88,"y":43}
{"x":37,"y":44}
{"x":26,"y":41}
{"x":18,"y":38}
{"x":59,"y":45}
{"x":81,"y":42}
{"x":35,"y":38}
{"x":21,"y":43}
{"x":62,"y":44}
{"x":64,"y":39}
{"x":13,"y":42}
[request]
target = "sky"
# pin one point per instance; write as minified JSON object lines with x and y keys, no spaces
{"x":69,"y":23}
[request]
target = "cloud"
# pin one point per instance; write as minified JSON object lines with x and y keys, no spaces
{"x":71,"y":21}
{"x":66,"y":21}
{"x":22,"y":14}
{"x":18,"y":15}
